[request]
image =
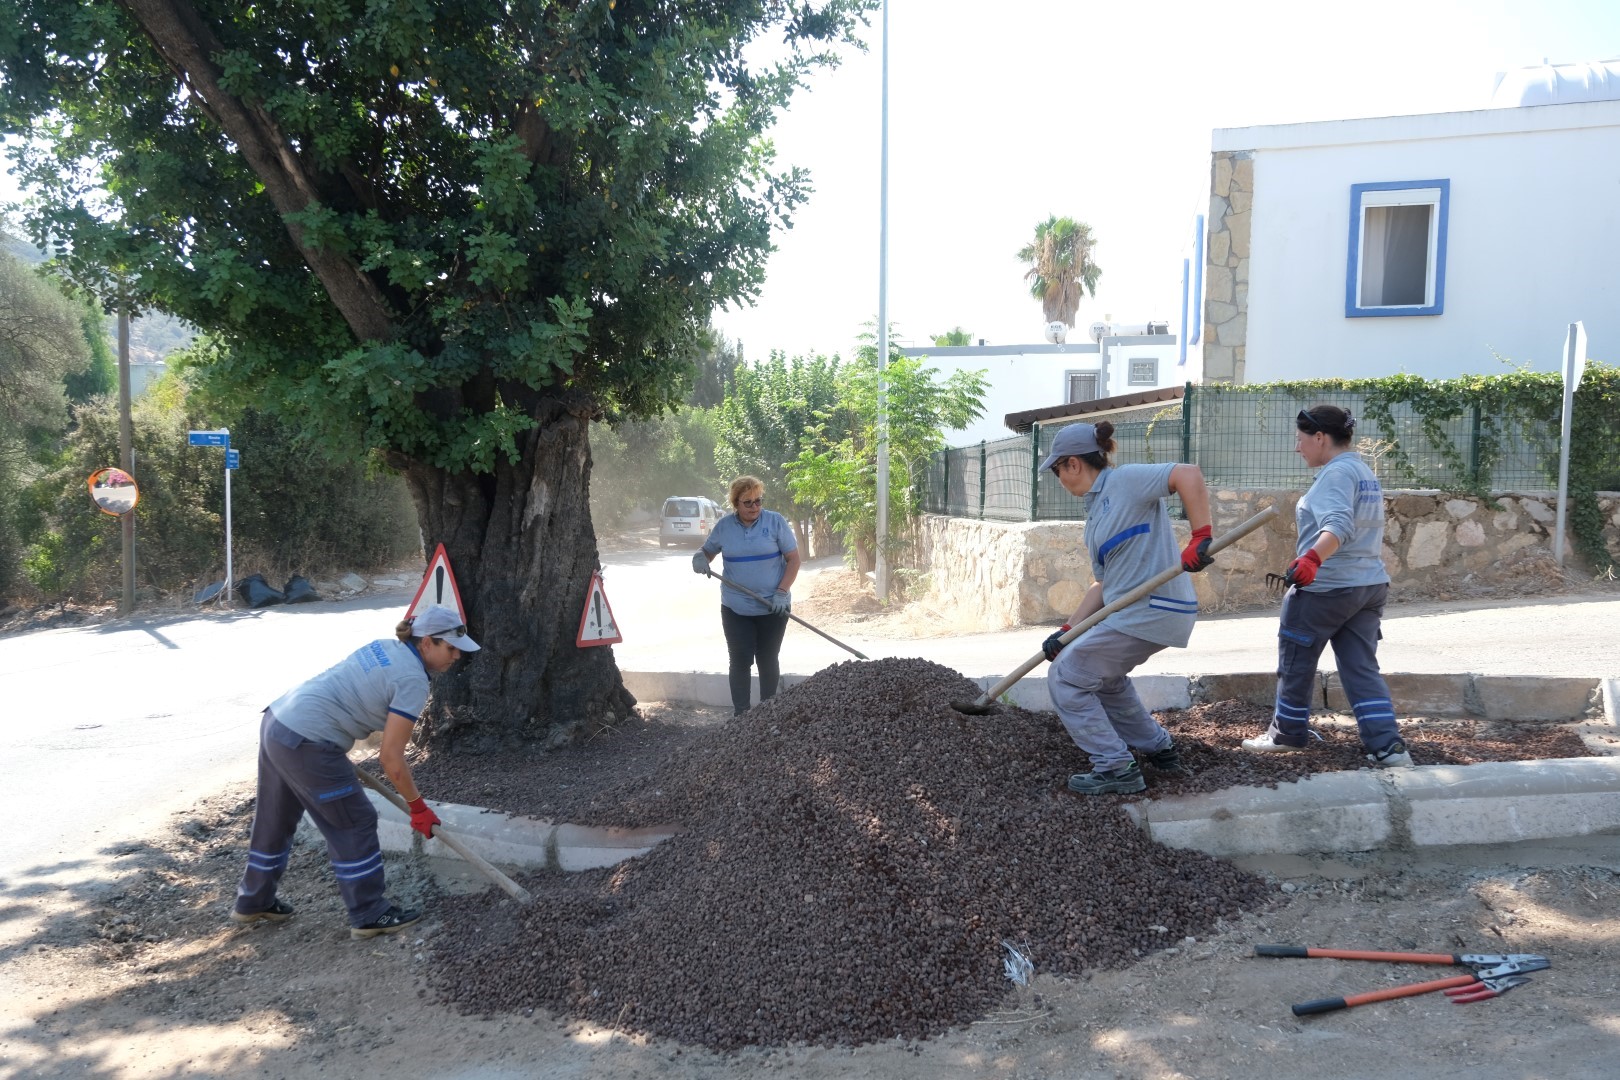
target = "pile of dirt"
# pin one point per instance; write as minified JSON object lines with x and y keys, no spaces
{"x":855,"y":855}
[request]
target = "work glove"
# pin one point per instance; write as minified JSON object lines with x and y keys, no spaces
{"x":780,"y":602}
{"x":1053,"y":645}
{"x":1303,"y":569}
{"x":700,"y":563}
{"x":1195,"y":556}
{"x":422,"y":817}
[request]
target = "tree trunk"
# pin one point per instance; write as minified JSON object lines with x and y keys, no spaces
{"x":523,"y":549}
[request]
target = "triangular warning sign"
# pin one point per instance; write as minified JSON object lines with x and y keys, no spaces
{"x":596,"y":625}
{"x":438,"y":587}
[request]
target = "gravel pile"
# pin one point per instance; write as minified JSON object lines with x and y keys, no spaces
{"x":855,"y":853}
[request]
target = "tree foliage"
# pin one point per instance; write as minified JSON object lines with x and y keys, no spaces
{"x":835,"y":470}
{"x":957,"y":336}
{"x":641,"y":463}
{"x":456,"y":232}
{"x":1060,"y":267}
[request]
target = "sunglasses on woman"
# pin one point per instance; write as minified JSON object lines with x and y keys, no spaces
{"x":753,"y":502}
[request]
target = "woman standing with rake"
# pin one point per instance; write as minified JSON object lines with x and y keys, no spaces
{"x":1337,"y":589}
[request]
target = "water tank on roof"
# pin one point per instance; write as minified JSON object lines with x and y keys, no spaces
{"x":1557,"y":84}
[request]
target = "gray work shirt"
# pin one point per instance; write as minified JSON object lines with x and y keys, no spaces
{"x":1347,"y":501}
{"x":1130,"y":538}
{"x":753,"y":557}
{"x":356,"y":696}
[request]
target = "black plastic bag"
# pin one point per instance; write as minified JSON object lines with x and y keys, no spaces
{"x":257,"y":593}
{"x":298,"y":590}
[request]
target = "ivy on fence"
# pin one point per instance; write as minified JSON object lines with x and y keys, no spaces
{"x":1525,"y":402}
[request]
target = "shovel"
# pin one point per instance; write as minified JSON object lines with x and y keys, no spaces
{"x":985,"y":705}
{"x":507,"y":885}
{"x":795,"y":618}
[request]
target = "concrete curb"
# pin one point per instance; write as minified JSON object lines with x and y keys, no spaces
{"x":520,"y":842}
{"x":1490,"y":697}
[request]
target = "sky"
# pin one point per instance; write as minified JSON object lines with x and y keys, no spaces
{"x":1003,"y":113}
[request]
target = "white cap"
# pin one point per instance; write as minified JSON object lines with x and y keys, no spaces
{"x":445,"y":624}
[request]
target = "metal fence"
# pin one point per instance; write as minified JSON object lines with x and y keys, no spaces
{"x":1245,"y":439}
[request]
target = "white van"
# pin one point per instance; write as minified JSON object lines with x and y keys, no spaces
{"x":687,"y":519}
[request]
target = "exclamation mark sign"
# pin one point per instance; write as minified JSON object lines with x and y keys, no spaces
{"x":438,"y":584}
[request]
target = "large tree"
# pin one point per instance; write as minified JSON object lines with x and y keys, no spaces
{"x":454,"y":231}
{"x":1059,"y":266}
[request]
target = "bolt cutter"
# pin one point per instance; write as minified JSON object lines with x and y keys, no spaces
{"x":1493,"y":974}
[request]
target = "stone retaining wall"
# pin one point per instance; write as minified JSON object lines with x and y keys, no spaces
{"x":995,"y":575}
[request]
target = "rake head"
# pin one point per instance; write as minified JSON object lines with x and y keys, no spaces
{"x":1277,"y":583}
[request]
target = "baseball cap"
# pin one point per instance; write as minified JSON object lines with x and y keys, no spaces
{"x":1072,"y":441}
{"x":444,"y":623}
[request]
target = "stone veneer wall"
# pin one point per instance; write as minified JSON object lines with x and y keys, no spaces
{"x":995,"y":575}
{"x":1226,"y":266}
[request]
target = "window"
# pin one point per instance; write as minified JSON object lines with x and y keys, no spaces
{"x":1145,"y":372}
{"x":1082,"y":386}
{"x":1397,"y":259}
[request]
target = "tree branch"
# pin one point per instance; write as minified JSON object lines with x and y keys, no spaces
{"x":188,"y":46}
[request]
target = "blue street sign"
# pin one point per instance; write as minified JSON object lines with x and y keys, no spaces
{"x":233,"y":459}
{"x":208,"y":438}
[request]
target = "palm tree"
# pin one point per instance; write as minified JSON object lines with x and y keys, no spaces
{"x":1060,"y":267}
{"x":957,"y":336}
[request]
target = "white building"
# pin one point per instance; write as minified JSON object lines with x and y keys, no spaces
{"x":1428,"y":244}
{"x":1024,"y":377}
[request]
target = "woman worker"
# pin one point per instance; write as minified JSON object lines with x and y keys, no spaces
{"x":761,"y":555}
{"x":304,"y":741}
{"x":1129,"y":537}
{"x":1338,"y":588}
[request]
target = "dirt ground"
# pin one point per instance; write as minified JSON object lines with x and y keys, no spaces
{"x":133,"y":970}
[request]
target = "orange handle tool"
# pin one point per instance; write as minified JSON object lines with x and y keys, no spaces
{"x":1329,"y":1004}
{"x":1300,"y":952}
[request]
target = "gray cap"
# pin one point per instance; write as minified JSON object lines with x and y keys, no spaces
{"x":445,"y":624}
{"x":1072,"y":441}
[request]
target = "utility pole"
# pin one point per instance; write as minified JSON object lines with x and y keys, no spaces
{"x":126,"y":458}
{"x":882,"y":568}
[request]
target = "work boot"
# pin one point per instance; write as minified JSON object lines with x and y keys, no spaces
{"x":279,"y":911}
{"x":1122,"y":781}
{"x":1167,"y":760}
{"x":391,"y":921}
{"x":1393,"y":756}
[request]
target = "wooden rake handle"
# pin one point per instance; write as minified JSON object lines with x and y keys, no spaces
{"x":507,"y":885}
{"x":1139,"y":593}
{"x":795,"y":618}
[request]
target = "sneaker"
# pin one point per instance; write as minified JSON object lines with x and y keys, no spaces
{"x":1268,"y":744}
{"x":1393,"y":756}
{"x":392,"y":921}
{"x":1167,"y":760}
{"x":280,"y":911}
{"x":1123,"y":781}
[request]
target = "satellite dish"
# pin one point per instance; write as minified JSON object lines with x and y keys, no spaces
{"x":1057,"y":333}
{"x":1098,"y":329}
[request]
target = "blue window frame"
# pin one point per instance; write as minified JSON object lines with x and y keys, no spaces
{"x":1396,"y":264}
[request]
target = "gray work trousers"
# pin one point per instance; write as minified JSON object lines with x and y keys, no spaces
{"x":1097,"y":703}
{"x":298,"y":775}
{"x":1349,"y":620}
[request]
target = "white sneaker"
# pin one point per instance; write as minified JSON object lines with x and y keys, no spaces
{"x":1265,"y":744}
{"x":1394,"y":756}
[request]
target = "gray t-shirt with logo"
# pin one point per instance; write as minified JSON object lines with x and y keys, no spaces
{"x":1347,"y":501}
{"x":753,"y":557}
{"x":1130,"y":538}
{"x":355,"y":696}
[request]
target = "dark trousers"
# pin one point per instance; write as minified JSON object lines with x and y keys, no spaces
{"x":299,"y":775}
{"x":751,"y":640}
{"x":1349,"y":620}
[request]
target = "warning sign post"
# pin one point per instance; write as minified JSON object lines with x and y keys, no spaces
{"x":596,"y":624}
{"x":438,"y":587}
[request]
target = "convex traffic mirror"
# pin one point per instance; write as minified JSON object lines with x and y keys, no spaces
{"x":114,"y":491}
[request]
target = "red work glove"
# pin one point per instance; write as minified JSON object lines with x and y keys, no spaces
{"x":1195,"y":556}
{"x":422,"y":817}
{"x":1303,"y":569}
